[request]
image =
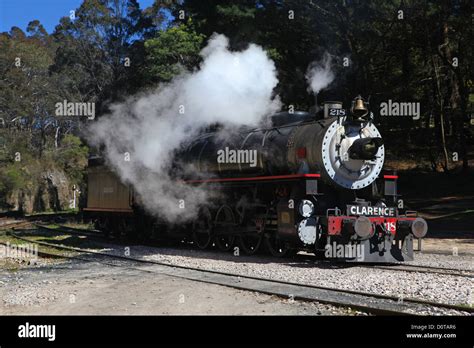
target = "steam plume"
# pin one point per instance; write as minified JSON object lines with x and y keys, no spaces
{"x":230,"y":88}
{"x":319,"y":74}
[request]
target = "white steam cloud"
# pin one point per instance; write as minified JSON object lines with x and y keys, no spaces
{"x":319,"y":74}
{"x":230,"y":88}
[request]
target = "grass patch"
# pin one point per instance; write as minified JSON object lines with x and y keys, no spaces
{"x":68,"y":212}
{"x":18,"y":242}
{"x":13,"y":264}
{"x":466,"y":305}
{"x":79,"y":226}
{"x":61,"y":238}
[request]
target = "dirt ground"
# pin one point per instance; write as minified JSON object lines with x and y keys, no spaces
{"x":447,"y":245}
{"x":92,"y":289}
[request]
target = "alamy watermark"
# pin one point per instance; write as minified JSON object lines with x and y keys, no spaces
{"x":21,"y":251}
{"x":228,"y":155}
{"x":65,"y":108}
{"x":393,"y":108}
{"x":28,"y":330}
{"x":344,"y":251}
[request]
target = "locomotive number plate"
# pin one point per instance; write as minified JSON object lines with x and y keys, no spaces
{"x":337,"y":112}
{"x":370,"y":211}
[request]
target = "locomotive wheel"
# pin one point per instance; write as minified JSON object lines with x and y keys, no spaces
{"x":143,"y":229}
{"x":277,"y":247}
{"x":124,"y":229}
{"x":225,"y":217}
{"x":102,"y":224}
{"x":225,"y":242}
{"x":250,"y":243}
{"x":202,"y":229}
{"x":114,"y":229}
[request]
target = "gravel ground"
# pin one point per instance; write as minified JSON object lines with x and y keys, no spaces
{"x":77,"y":288}
{"x":427,"y":286}
{"x":463,"y":262}
{"x":434,"y":287}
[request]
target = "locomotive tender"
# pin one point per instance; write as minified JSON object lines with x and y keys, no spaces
{"x":304,"y":182}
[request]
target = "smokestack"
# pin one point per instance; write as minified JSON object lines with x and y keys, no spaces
{"x":314,"y":109}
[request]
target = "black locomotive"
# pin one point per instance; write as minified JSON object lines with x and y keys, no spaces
{"x":310,"y":182}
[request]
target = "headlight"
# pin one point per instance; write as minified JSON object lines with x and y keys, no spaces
{"x":419,"y":227}
{"x":363,"y":227}
{"x":306,"y":208}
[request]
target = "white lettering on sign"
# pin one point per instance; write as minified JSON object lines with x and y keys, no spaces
{"x":371,"y":211}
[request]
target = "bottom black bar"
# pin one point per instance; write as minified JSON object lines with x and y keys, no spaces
{"x":242,"y":330}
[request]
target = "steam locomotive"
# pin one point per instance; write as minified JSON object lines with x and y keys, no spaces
{"x":305,"y":181}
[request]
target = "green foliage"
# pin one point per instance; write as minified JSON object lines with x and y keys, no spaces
{"x":174,"y":50}
{"x":83,"y":60}
{"x":237,"y":12}
{"x":12,"y":177}
{"x":24,"y":78}
{"x":235,"y":19}
{"x":274,"y":54}
{"x":72,"y":157}
{"x":101,"y":52}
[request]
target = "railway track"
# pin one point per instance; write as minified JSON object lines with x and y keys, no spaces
{"x":459,"y":272}
{"x":366,"y":302}
{"x":71,"y":230}
{"x":426,"y":269}
{"x":15,"y":224}
{"x":393,"y":267}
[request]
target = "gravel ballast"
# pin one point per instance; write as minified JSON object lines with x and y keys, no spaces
{"x":451,"y":289}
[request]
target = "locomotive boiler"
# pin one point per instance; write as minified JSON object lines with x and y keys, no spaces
{"x":347,"y":152}
{"x":303,"y":181}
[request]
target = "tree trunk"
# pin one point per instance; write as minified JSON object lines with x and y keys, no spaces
{"x":441,"y":114}
{"x":56,"y":137}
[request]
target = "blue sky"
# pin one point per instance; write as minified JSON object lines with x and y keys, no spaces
{"x":20,"y":12}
